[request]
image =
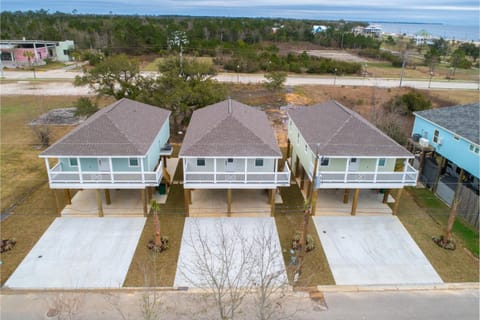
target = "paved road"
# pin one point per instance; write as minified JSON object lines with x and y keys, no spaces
{"x":292,"y":80}
{"x":394,"y":305}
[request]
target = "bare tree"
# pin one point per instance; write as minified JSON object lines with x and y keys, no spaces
{"x":236,"y":263}
{"x":42,"y":133}
{"x":270,"y":278}
{"x":150,"y":300}
{"x":221,"y":266}
{"x":65,"y":305}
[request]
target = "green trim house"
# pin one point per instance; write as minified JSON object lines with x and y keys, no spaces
{"x":348,"y":151}
{"x":119,"y":147}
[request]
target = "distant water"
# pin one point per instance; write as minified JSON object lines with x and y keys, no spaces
{"x":457,"y":32}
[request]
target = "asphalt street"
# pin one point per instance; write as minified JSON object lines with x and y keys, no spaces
{"x":381,"y":305}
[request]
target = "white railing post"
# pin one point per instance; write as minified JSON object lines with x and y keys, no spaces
{"x":275,"y":171}
{"x":184,"y":170}
{"x":405,"y":167}
{"x":347,"y":167}
{"x":141,"y":168}
{"x":80,"y":174}
{"x":111,"y":168}
{"x":48,"y":168}
{"x":214,"y":170}
{"x":376,"y":170}
{"x":245,"y":170}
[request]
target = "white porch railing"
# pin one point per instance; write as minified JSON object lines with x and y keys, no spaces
{"x":406,"y":177}
{"x":238,"y":177}
{"x":57,"y":176}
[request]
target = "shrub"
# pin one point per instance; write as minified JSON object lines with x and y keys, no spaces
{"x":85,"y":107}
{"x":408,"y":103}
{"x":393,"y":130}
{"x":275,"y":80}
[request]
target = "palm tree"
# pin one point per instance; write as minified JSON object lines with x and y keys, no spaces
{"x":30,"y":55}
{"x":155,"y":209}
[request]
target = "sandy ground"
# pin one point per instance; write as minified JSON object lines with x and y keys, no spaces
{"x":60,"y":88}
{"x":335,"y":55}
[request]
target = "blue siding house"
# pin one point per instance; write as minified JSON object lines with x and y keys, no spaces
{"x":119,"y":147}
{"x":454,"y":134}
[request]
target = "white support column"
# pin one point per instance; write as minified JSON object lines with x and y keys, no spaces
{"x":346,"y":170}
{"x":80,"y":170}
{"x":275,"y":170}
{"x":111,"y":168}
{"x":214,"y":170}
{"x":404,"y":170}
{"x":141,"y":168}
{"x":245,"y":169}
{"x":48,"y":168}
{"x":376,"y":170}
{"x":35,"y":51}
{"x":184,"y":170}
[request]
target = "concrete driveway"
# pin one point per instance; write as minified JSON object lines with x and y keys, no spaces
{"x":79,"y":252}
{"x":373,"y":250}
{"x":217,"y":245}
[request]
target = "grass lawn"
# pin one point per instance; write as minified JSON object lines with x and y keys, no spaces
{"x":289,"y":219}
{"x":440,"y":212}
{"x":172,"y":219}
{"x":452,"y":266}
{"x":144,"y":261}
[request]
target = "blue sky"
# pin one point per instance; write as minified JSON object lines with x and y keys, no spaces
{"x":464,"y":12}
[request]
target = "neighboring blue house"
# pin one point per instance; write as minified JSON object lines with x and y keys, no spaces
{"x":119,"y":147}
{"x":454,"y":133}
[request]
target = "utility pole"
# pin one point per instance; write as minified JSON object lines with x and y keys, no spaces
{"x":404,"y":62}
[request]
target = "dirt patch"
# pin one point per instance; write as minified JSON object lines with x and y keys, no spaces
{"x":61,"y":116}
{"x":336,"y":55}
{"x":297,"y":99}
{"x":285,"y":48}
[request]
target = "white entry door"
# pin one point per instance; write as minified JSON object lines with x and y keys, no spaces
{"x":103,"y":165}
{"x":353,"y":164}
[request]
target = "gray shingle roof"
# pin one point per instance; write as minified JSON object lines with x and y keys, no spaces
{"x":215,"y":132}
{"x":342,"y":132}
{"x":462,"y":120}
{"x":124,"y":128}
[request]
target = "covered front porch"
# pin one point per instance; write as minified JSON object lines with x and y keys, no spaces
{"x":117,"y":202}
{"x":338,"y":202}
{"x":235,"y":203}
{"x":235,"y":173}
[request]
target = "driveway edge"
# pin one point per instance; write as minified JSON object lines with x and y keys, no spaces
{"x":400,"y":287}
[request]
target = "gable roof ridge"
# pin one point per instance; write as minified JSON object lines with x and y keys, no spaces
{"x":262,"y":138}
{"x":367,"y":123}
{"x":120,"y":130}
{"x":337,"y":132}
{"x":255,"y":134}
{"x":200,"y":137}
